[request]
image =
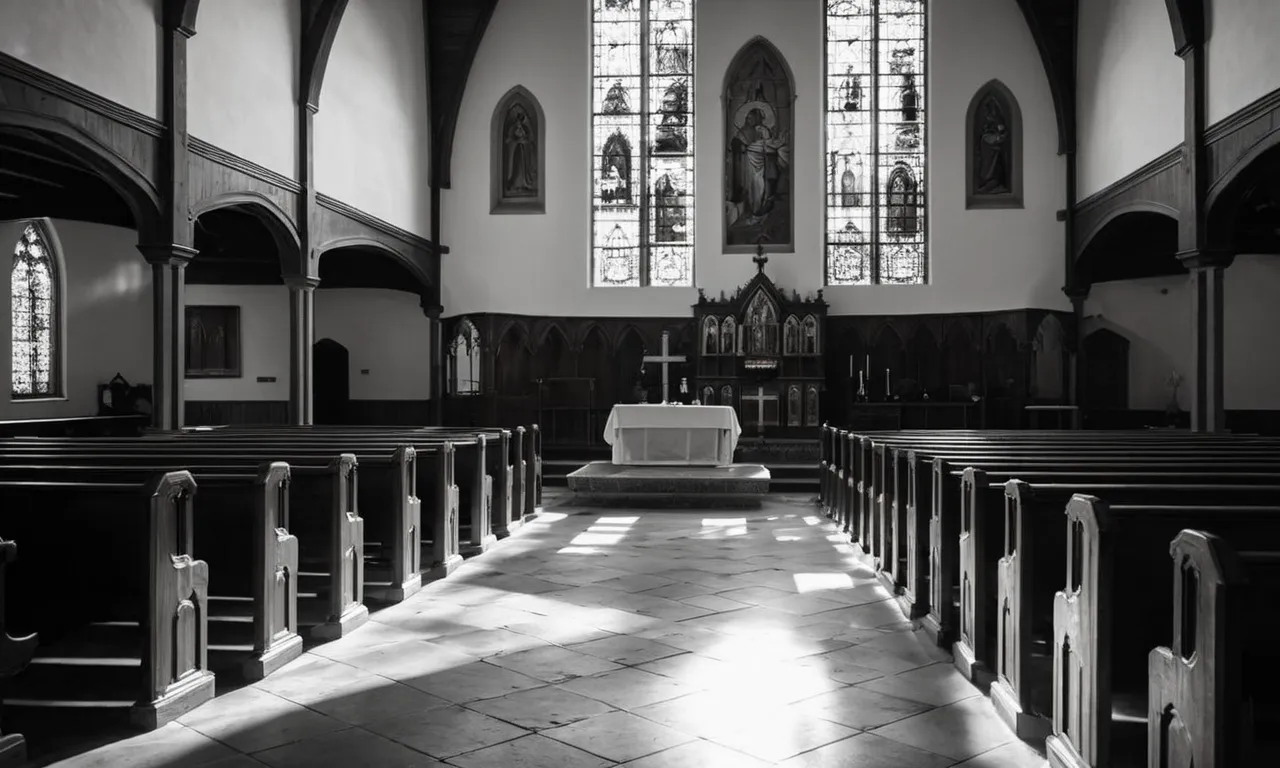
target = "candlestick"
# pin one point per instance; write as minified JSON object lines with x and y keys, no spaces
{"x":859,"y":381}
{"x":851,"y":367}
{"x":867,"y":367}
{"x":886,"y":383}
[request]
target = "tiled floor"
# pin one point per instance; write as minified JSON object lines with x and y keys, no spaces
{"x":645,"y":639}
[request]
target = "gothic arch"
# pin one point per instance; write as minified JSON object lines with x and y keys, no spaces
{"x":993,"y":176}
{"x":415,"y":270}
{"x":517,"y":106}
{"x":273,"y":217}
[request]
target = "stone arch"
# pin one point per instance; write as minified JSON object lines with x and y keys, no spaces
{"x":518,"y":98}
{"x":994,"y":95}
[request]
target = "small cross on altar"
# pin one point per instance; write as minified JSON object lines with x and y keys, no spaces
{"x":760,"y":399}
{"x":760,"y":259}
{"x":665,"y":358}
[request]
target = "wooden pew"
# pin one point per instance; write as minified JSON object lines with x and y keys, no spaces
{"x":323,"y":516}
{"x":1105,"y":620}
{"x":1013,"y":553}
{"x":155,"y":605}
{"x":1211,"y":694}
{"x":242,"y":515}
{"x":15,"y":654}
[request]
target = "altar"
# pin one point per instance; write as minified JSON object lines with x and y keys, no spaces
{"x":672,"y":435}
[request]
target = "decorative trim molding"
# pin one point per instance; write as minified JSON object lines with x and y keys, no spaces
{"x":1164,"y":162}
{"x":247,"y":167}
{"x":37,"y":78}
{"x":1242,"y":117}
{"x":373,"y":222}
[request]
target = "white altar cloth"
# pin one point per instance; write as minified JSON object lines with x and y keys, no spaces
{"x":673,"y":435}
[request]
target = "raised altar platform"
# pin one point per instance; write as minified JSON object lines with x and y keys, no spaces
{"x":603,"y":482}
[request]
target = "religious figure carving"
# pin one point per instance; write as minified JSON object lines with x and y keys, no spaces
{"x":708,"y":395}
{"x":617,"y":101}
{"x":729,"y":336}
{"x":726,"y":395}
{"x":672,"y":48}
{"x":758,"y":98}
{"x":811,"y":409}
{"x":852,"y":88}
{"x":520,"y":160}
{"x":993,"y":150}
{"x":793,"y":406}
{"x":809,"y":338}
{"x":791,"y":336}
{"x":762,"y":323}
{"x":710,"y":336}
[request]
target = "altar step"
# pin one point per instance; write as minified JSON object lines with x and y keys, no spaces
{"x":785,"y":477}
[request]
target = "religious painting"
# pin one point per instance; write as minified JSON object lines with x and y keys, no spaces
{"x":791,"y":336}
{"x":903,"y":214}
{"x":759,"y":95}
{"x":811,"y":407}
{"x":517,"y":154}
{"x":212,"y":342}
{"x":760,"y":326}
{"x":708,"y":395}
{"x":729,"y":336}
{"x":994,"y":160}
{"x":793,"y":405}
{"x":809,"y":336}
{"x":464,"y":360}
{"x":710,"y":336}
{"x":670,"y":211}
{"x":615,"y":171}
{"x":726,"y":395}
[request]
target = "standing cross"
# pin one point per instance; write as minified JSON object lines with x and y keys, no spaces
{"x":665,"y":358}
{"x":760,"y":398}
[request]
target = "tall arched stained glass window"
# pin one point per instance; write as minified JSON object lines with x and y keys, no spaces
{"x":33,"y":287}
{"x":642,"y":143}
{"x":875,"y":143}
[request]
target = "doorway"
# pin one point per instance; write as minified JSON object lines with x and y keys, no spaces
{"x":331,"y":388}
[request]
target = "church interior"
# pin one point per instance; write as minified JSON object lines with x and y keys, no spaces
{"x":925,"y":273}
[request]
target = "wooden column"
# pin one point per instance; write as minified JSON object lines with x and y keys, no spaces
{"x":1206,"y":263}
{"x":302,"y":331}
{"x":168,"y":335}
{"x":436,"y":353}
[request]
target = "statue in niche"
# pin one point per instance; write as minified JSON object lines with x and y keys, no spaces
{"x":728,"y":336}
{"x":811,"y":417}
{"x":809,"y":339}
{"x":759,"y":117}
{"x":520,"y":155}
{"x":791,"y":337}
{"x":615,"y":171}
{"x":708,"y":396}
{"x":672,"y":133}
{"x":793,"y":406}
{"x":669,"y":214}
{"x":711,"y":335}
{"x":726,"y":395}
{"x":994,"y":150}
{"x":617,"y":101}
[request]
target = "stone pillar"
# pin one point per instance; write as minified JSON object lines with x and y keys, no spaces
{"x":302,"y":332}
{"x":1207,"y":326}
{"x":436,"y":355}
{"x":168,"y":331}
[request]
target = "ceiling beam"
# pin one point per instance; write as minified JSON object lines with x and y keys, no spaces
{"x":181,"y":15}
{"x":323,"y":18}
{"x":1053,"y":27}
{"x":1186,"y":17}
{"x":454,"y":30}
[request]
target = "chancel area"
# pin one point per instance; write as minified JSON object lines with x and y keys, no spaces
{"x":648,"y":383}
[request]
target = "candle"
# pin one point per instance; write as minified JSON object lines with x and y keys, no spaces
{"x":886,"y":382}
{"x":867,"y":367}
{"x":851,"y":367}
{"x":859,"y":381}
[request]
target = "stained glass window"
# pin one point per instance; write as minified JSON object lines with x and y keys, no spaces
{"x":875,"y":144}
{"x":33,"y":287}
{"x":642,"y":142}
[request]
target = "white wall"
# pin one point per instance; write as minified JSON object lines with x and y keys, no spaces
{"x":384,"y":332}
{"x":541,"y":264}
{"x":111,"y":47}
{"x":1158,"y":326}
{"x":1129,"y":90}
{"x":106,"y":317}
{"x":264,"y":342}
{"x":242,"y":80}
{"x":1243,"y":50}
{"x":373,"y":136}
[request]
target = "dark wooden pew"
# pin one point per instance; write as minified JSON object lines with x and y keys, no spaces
{"x":1013,"y":554}
{"x":15,"y":654}
{"x":149,"y":611}
{"x":1212,"y":693}
{"x":323,"y":516}
{"x":243,"y":515}
{"x":1113,"y":610}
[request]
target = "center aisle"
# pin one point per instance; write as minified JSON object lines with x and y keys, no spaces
{"x":650,"y":639}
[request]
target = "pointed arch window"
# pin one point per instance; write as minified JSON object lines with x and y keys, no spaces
{"x":642,"y":142}
{"x":875,"y":142}
{"x":34,"y":289}
{"x":464,"y":357}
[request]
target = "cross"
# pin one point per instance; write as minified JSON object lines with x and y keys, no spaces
{"x":760,"y":398}
{"x":760,"y":259}
{"x":665,"y":358}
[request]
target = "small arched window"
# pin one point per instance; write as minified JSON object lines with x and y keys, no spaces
{"x":34,"y":292}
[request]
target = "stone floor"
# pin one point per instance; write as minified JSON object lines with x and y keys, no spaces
{"x":651,"y":640}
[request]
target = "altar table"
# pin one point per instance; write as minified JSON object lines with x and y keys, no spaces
{"x":673,"y":435}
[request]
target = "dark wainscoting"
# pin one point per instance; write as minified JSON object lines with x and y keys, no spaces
{"x":201,"y":413}
{"x":1252,"y":422}
{"x":389,"y":412}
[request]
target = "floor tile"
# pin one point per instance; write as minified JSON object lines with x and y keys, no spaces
{"x":443,"y":733}
{"x":867,"y":750}
{"x":554,"y":664}
{"x":536,"y":751}
{"x":859,"y":708}
{"x":542,"y":708}
{"x":959,"y":731}
{"x":698,"y":754}
{"x":474,"y":681}
{"x":937,"y":684}
{"x":630,"y":688}
{"x":250,"y":720}
{"x":349,"y":748}
{"x":618,"y":736}
{"x":628,"y":650}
